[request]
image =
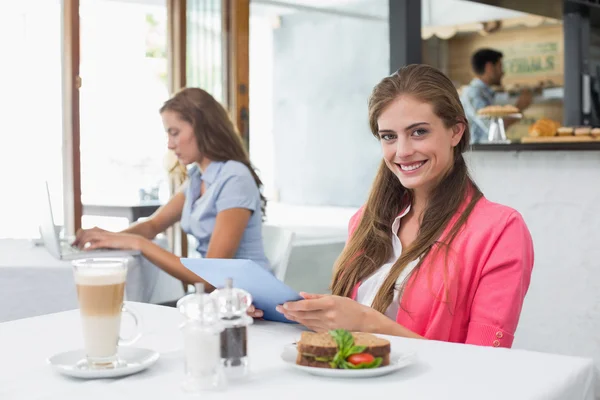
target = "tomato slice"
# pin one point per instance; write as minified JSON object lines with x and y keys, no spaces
{"x":360,"y":358}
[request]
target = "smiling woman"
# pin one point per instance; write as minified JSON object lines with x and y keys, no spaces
{"x":428,"y":256}
{"x":416,"y":152}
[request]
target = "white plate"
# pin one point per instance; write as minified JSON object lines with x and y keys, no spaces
{"x":397,"y":361}
{"x":133,"y":360}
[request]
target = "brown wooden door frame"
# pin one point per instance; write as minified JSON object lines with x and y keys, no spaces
{"x":236,"y":27}
{"x":176,"y":39}
{"x":236,"y":32}
{"x":71,"y":58}
{"x":236,"y":24}
{"x":71,"y":82}
{"x":176,"y":33}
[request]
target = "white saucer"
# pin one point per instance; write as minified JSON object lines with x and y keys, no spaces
{"x":133,"y":360}
{"x":397,"y":361}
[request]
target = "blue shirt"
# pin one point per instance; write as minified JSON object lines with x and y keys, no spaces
{"x":474,"y":97}
{"x":228,"y":185}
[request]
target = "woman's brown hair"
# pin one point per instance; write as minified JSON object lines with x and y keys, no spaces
{"x":216,"y":135}
{"x":370,"y":246}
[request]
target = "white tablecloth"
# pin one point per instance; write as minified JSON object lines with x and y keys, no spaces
{"x":443,"y":370}
{"x":32,"y":282}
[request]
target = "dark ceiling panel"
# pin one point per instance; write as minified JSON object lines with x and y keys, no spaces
{"x":545,"y":8}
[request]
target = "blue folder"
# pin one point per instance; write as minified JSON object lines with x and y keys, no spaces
{"x":266,"y":290}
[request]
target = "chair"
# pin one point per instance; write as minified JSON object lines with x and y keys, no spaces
{"x":278,"y":248}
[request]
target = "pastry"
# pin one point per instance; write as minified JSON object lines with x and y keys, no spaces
{"x":596,"y":132}
{"x":544,"y":127}
{"x":565,"y":131}
{"x":583,"y":130}
{"x":498,"y":111}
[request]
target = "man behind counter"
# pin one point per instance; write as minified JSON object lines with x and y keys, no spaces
{"x":487,"y":66}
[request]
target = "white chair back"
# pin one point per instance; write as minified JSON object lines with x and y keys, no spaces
{"x":278,"y":248}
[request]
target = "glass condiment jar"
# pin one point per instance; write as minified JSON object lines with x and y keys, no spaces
{"x":202,"y":331}
{"x":232,"y":308}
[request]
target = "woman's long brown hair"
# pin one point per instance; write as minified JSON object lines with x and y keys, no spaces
{"x":216,"y":135}
{"x":370,"y":246}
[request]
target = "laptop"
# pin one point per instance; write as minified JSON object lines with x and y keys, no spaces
{"x":62,"y":249}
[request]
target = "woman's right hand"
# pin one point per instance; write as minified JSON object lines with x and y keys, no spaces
{"x":82,"y":236}
{"x":255,"y":312}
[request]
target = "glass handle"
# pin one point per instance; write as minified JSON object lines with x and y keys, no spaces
{"x":138,"y":325}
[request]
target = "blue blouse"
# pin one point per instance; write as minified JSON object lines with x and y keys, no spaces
{"x":228,"y":185}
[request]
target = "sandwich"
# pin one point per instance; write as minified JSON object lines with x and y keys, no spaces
{"x":340,"y":349}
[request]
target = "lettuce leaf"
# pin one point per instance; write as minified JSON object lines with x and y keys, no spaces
{"x":346,"y":347}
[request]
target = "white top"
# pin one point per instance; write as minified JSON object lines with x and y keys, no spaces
{"x":443,"y":370}
{"x":370,"y":286}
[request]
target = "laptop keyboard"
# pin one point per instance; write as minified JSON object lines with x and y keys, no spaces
{"x":67,"y":248}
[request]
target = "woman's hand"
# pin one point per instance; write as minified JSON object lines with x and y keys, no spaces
{"x":101,"y":239}
{"x":82,"y":234}
{"x":254,"y":312}
{"x":326,"y":312}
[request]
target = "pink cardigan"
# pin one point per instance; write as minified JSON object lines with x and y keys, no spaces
{"x":489,"y":267}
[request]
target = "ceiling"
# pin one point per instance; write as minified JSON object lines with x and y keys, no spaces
{"x":545,"y":8}
{"x":549,"y":8}
{"x":433,"y":12}
{"x":377,"y":9}
{"x":367,"y":9}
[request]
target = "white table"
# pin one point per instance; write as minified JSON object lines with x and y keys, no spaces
{"x":443,"y":371}
{"x":132,"y":212}
{"x":32,"y":282}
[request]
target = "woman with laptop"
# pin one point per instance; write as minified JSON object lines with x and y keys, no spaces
{"x":428,"y":256}
{"x":220,"y":204}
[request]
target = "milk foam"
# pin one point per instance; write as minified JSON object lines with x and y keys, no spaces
{"x":99,"y":276}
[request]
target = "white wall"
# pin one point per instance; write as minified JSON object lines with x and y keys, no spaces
{"x":558,"y":194}
{"x":262,"y":147}
{"x":325,"y":67}
{"x":309,"y":102}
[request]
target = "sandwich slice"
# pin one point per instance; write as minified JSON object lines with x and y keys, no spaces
{"x":342,"y":349}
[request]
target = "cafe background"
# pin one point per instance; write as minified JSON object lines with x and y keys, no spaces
{"x":533,"y":59}
{"x":552,"y":48}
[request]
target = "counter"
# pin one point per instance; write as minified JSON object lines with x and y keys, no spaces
{"x":537,"y":146}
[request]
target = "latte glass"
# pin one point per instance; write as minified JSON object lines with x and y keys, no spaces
{"x":100,"y":290}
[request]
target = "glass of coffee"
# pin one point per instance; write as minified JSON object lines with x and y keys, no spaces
{"x":100,"y":289}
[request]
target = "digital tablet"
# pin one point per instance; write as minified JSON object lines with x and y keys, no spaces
{"x":266,"y":290}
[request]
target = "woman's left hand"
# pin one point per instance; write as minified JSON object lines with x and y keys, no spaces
{"x":108,"y":240}
{"x":326,"y":312}
{"x":255,"y":312}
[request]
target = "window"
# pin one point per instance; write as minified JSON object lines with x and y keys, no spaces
{"x":124,"y":83}
{"x":31,"y":108}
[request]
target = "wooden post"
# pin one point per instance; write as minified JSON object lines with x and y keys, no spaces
{"x":176,"y":31}
{"x":237,"y":33}
{"x":71,"y":82}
